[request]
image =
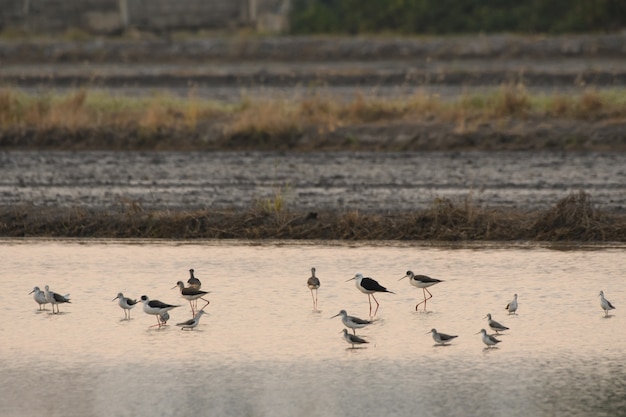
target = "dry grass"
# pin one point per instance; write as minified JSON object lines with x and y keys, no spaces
{"x":274,"y":121}
{"x":571,"y":219}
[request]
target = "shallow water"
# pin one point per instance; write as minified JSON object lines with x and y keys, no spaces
{"x":261,"y":350}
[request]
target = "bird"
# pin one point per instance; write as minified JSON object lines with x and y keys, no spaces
{"x":441,"y":338}
{"x":313,"y":283}
{"x":125,"y":303}
{"x":605,"y":304}
{"x":497,"y":327}
{"x":191,"y":295}
{"x":55,"y":299}
{"x":155,"y":307}
{"x":369,"y":286}
{"x":39,"y":297}
{"x":351,"y":321}
{"x":489,"y":340}
{"x":353,"y":339}
{"x":193,"y":281}
{"x":163,"y":317}
{"x":191,"y":323}
{"x":423,"y":282}
{"x":512,"y":306}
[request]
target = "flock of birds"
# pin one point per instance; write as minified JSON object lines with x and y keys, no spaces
{"x":192,"y":293}
{"x":370,"y":286}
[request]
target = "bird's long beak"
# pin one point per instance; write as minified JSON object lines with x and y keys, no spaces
{"x":334,"y":316}
{"x":427,"y":332}
{"x":477,"y":333}
{"x":350,"y":279}
{"x":31,"y":292}
{"x":403,"y":278}
{"x":115,"y":298}
{"x":175,"y":286}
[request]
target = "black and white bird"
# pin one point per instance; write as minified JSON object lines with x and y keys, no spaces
{"x":441,"y":338}
{"x":352,"y":322}
{"x":155,"y":308}
{"x":192,"y":295}
{"x":512,"y":306}
{"x":125,"y":303}
{"x":423,"y":282}
{"x":369,"y":286}
{"x":193,"y":282}
{"x":353,"y":339}
{"x":494,"y":325}
{"x":605,"y":304}
{"x":191,"y":323}
{"x":55,"y":299}
{"x":39,"y":297}
{"x":313,"y":283}
{"x":488,"y":340}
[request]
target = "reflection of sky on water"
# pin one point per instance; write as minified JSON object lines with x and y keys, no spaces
{"x":262,"y":351}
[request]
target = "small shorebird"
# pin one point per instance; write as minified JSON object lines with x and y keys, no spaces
{"x":488,"y":339}
{"x":163,"y":317}
{"x":369,"y":286}
{"x":39,"y":297}
{"x":512,"y":306}
{"x":605,"y":304}
{"x":191,"y":323}
{"x":55,"y":299}
{"x":193,"y":281}
{"x":497,"y":327}
{"x":423,"y":282}
{"x":155,"y":307}
{"x":125,"y":303}
{"x":313,"y":283}
{"x":351,"y":321}
{"x":441,"y":338}
{"x":191,"y":295}
{"x":353,"y":339}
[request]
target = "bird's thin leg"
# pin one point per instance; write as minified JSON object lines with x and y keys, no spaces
{"x":377,"y":305}
{"x":370,"y":300}
{"x":313,"y":298}
{"x":316,"y":300}
{"x":207,"y":303}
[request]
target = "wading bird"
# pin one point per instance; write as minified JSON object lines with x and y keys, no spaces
{"x":423,"y":282}
{"x":313,"y":283}
{"x":369,"y":286}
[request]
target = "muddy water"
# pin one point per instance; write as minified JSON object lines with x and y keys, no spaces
{"x":261,"y":350}
{"x":309,"y":181}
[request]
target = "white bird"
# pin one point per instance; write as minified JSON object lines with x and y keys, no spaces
{"x":353,"y":339}
{"x":163,"y":317}
{"x":512,"y":306}
{"x":369,"y":286}
{"x":423,"y":282}
{"x":155,"y":307}
{"x":351,"y":321}
{"x":39,"y":297}
{"x":191,"y":323}
{"x":313,"y":283}
{"x":605,"y":304}
{"x":441,"y":338}
{"x":495,"y":326}
{"x":55,"y":299}
{"x":489,"y":340}
{"x":193,"y":281}
{"x":125,"y":303}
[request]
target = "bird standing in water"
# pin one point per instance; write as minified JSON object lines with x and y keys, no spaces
{"x":125,"y":303}
{"x":605,"y":304}
{"x":313,"y":283}
{"x":512,"y":306}
{"x":423,"y":282}
{"x":353,"y":339}
{"x":193,"y":281}
{"x":369,"y":286}
{"x":441,"y":338}
{"x":351,"y":321}
{"x":39,"y":297}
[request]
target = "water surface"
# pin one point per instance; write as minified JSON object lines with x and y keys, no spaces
{"x":261,"y":350}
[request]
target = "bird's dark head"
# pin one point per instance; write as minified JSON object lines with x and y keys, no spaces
{"x":144,"y":298}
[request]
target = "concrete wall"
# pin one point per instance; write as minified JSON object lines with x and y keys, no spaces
{"x":113,"y":16}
